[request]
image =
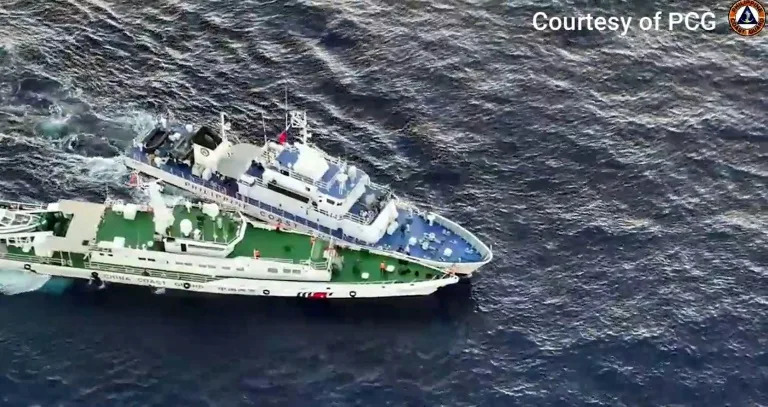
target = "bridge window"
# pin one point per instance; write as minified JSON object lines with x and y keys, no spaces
{"x":274,"y":187}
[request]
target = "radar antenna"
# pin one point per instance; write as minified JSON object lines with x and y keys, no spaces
{"x":299,"y":121}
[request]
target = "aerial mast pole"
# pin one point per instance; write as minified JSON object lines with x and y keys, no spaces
{"x":286,"y":107}
{"x":264,"y":127}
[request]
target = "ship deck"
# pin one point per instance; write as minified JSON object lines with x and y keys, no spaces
{"x":437,"y":236}
{"x":355,"y":263}
{"x":141,"y":229}
{"x":271,"y":244}
{"x":276,"y":244}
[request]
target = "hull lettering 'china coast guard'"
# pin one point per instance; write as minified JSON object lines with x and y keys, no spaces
{"x":197,"y":247}
{"x":297,"y":185}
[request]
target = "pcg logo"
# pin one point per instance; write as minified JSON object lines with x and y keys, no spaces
{"x":747,"y":17}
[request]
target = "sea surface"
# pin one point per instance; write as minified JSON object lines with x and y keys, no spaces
{"x":622,"y":181}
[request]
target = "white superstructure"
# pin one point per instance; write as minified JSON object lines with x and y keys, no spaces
{"x":296,"y":184}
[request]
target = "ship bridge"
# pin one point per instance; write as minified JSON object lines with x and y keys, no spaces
{"x":331,"y":177}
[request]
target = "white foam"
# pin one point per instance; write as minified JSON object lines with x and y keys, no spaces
{"x":14,"y":282}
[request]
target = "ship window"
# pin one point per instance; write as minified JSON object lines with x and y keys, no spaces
{"x":183,"y":247}
{"x":211,"y":267}
{"x":272,"y":270}
{"x":151,"y":259}
{"x":287,"y":271}
{"x":291,"y":194}
{"x":225,"y":268}
{"x":331,"y":201}
{"x":187,"y":264}
{"x":179,"y":264}
{"x":142,"y":258}
{"x":296,"y":271}
{"x":240,"y":269}
{"x":85,"y":243}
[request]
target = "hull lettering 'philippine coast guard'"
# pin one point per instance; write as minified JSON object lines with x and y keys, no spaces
{"x":296,"y":185}
{"x":197,"y":247}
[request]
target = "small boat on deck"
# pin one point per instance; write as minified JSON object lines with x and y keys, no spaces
{"x":198,"y":247}
{"x":292,"y":183}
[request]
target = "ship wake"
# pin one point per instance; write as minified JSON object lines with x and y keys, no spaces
{"x":14,"y":282}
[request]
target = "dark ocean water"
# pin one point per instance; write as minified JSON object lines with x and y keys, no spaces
{"x":623,"y":183}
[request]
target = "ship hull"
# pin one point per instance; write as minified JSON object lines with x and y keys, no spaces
{"x":463,"y":269}
{"x":239,"y":286}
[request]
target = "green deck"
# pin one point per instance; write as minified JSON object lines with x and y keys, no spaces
{"x":358,"y":262}
{"x":275,"y":244}
{"x":142,"y":229}
{"x":270,"y":244}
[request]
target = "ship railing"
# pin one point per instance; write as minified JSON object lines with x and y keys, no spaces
{"x":335,"y":160}
{"x":174,"y":275}
{"x":303,"y":178}
{"x":282,"y":213}
{"x":410,"y":206}
{"x":318,"y":265}
{"x":21,"y":206}
{"x":358,"y":219}
{"x":256,"y":181}
{"x":381,"y":188}
{"x":442,"y":276}
{"x":281,"y":260}
{"x":34,"y":259}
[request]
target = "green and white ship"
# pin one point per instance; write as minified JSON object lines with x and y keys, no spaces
{"x":198,"y":247}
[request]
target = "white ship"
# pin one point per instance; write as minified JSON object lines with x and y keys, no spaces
{"x":198,"y":248}
{"x":293,"y":183}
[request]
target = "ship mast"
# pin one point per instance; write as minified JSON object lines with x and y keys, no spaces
{"x":286,"y":106}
